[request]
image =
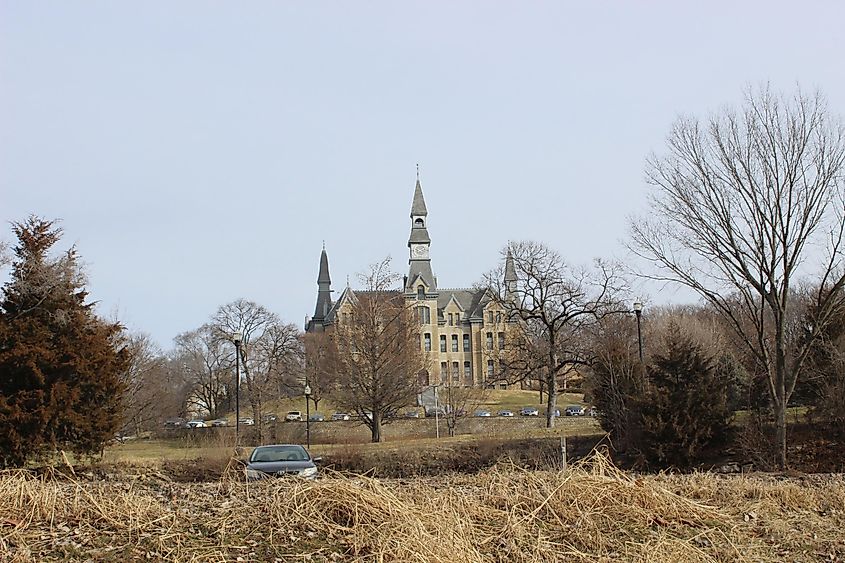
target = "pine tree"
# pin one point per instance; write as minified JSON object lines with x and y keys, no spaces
{"x":60,"y":364}
{"x":687,"y":407}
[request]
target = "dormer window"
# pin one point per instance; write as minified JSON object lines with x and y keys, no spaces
{"x":420,"y":293}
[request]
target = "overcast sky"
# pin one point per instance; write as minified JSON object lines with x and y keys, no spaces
{"x":198,"y":152}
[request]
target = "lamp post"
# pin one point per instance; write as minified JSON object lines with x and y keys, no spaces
{"x":308,"y":416}
{"x":436,"y":414}
{"x":237,"y":340}
{"x":638,"y":310}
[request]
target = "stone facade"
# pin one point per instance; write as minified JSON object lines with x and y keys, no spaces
{"x":461,"y":330}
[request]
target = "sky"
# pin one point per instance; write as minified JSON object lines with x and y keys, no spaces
{"x":197,"y":152}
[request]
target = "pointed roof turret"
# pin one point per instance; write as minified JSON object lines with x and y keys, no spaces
{"x":324,"y":290}
{"x":323,"y":277}
{"x":418,"y":206}
{"x":510,"y":271}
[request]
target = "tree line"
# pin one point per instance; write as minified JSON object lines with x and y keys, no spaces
{"x":746,"y":208}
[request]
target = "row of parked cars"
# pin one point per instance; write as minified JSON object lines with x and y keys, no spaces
{"x":571,"y":410}
{"x":297,"y":416}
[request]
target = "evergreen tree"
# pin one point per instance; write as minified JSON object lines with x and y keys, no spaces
{"x":60,"y":364}
{"x":687,"y":408}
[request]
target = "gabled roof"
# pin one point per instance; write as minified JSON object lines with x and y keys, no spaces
{"x":471,"y":301}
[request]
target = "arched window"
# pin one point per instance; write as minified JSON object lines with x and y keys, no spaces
{"x":419,"y":223}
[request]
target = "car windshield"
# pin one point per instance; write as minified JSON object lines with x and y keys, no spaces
{"x":279,"y":453}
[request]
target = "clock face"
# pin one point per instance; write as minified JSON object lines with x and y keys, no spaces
{"x":419,"y":251}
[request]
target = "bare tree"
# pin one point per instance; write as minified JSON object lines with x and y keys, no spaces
{"x":207,"y":367}
{"x":553,"y":305}
{"x":149,"y":392}
{"x":740,"y":203}
{"x":378,"y":353}
{"x":459,"y":401}
{"x":271,"y":350}
{"x":320,"y":363}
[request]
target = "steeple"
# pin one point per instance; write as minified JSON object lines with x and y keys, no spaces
{"x":324,"y":288}
{"x":510,"y":275}
{"x":418,"y":245}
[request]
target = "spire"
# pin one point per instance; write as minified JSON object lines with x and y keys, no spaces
{"x":323,"y":277}
{"x":510,"y":271}
{"x":418,"y":206}
{"x":510,"y":277}
{"x":324,"y":289}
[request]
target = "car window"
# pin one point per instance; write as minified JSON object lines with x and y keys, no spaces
{"x":279,"y":453}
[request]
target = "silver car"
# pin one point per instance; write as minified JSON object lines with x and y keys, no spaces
{"x":281,"y":460}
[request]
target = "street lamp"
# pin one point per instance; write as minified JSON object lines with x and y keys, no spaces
{"x":307,"y":416}
{"x":236,"y":338}
{"x":638,"y":310}
{"x":436,"y":413}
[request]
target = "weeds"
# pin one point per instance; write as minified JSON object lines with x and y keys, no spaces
{"x":589,"y":512}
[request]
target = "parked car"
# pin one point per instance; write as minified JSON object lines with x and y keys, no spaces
{"x":592,"y":411}
{"x":529,"y":411}
{"x":196,"y":424}
{"x":412,"y":414}
{"x":175,"y":423}
{"x":269,"y":417}
{"x":574,"y":410}
{"x":220,"y":422}
{"x":340,"y":416}
{"x":431,"y":411}
{"x":293,"y":416}
{"x":505,"y":413}
{"x":281,"y":460}
{"x":481,"y":413}
{"x":316,"y":417}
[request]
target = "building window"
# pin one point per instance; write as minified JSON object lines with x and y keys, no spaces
{"x":442,"y":342}
{"x":498,"y":316}
{"x":427,"y":342}
{"x":490,"y":317}
{"x":424,"y":315}
{"x":454,"y":343}
{"x":455,"y":371}
{"x":466,"y":343}
{"x":444,"y":372}
{"x":501,"y":341}
{"x":451,"y":319}
{"x":489,"y":340}
{"x":489,"y":368}
{"x":468,"y":373}
{"x":420,"y":293}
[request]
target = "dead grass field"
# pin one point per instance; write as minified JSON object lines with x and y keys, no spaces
{"x":590,"y":512}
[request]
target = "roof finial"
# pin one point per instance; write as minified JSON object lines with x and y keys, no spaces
{"x":324,"y":244}
{"x":418,"y":172}
{"x":347,"y":280}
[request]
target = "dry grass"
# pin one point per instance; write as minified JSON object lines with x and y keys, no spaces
{"x":591,"y":512}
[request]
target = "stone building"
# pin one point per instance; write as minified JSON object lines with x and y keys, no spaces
{"x":461,"y":330}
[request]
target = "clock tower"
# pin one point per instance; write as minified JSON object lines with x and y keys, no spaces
{"x":419,"y":261}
